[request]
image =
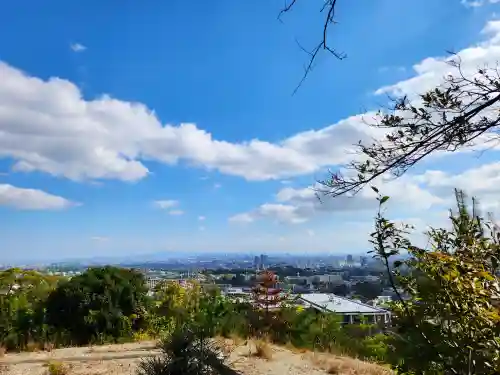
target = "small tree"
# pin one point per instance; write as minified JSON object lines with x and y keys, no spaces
{"x":266,"y":294}
{"x":267,"y":298}
{"x":449,"y":325}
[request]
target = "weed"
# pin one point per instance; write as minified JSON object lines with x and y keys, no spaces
{"x":57,"y":368}
{"x":263,"y":350}
{"x":32,"y":346}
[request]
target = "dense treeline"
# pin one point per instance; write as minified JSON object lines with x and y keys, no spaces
{"x":111,"y":305}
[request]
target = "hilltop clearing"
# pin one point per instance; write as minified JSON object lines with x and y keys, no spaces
{"x":122,"y":359}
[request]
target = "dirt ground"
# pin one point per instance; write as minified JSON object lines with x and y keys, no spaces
{"x":123,"y":360}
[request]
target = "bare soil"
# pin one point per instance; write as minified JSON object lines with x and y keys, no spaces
{"x":244,"y":358}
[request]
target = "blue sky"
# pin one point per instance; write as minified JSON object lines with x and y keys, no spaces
{"x":133,"y":128}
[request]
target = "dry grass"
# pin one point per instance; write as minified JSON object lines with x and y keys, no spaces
{"x":226,"y":345}
{"x":32,"y":346}
{"x":237,"y":340}
{"x":251,"y":358}
{"x":262,"y":350}
{"x":294,"y":349}
{"x":57,"y":368}
{"x":48,"y":346}
{"x":345,"y":365}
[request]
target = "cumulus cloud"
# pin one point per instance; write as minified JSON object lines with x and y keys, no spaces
{"x":243,"y":218}
{"x":415,"y":194}
{"x":77,"y":47}
{"x":431,"y":71}
{"x":32,"y":199}
{"x":166,"y":204}
{"x":477,"y":3}
{"x":481,"y":182}
{"x":47,"y":126}
{"x":298,"y":205}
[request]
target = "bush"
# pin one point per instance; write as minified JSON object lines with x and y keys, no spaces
{"x":186,"y":352}
{"x":57,"y":368}
{"x":103,"y":304}
{"x":263,"y":350}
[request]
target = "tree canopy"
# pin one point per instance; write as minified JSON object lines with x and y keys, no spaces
{"x":449,"y":325}
{"x":101,"y":302}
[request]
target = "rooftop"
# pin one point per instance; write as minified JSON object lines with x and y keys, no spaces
{"x":334,"y":303}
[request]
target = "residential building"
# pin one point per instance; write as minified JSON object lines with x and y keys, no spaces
{"x":151,"y":282}
{"x":350,"y":310}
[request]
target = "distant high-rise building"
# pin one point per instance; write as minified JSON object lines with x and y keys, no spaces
{"x":364,"y":261}
{"x":263,"y":261}
{"x":256,"y":262}
{"x":349,"y":259}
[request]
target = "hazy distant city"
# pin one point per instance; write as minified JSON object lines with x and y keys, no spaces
{"x":356,"y":276}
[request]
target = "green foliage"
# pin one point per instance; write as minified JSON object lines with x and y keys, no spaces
{"x":448,"y":325}
{"x":22,"y":311}
{"x":99,"y":305}
{"x":57,"y":368}
{"x":186,"y":352}
{"x":110,"y":305}
{"x":367,"y":290}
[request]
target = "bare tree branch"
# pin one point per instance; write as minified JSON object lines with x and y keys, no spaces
{"x":452,"y":116}
{"x":323,"y":45}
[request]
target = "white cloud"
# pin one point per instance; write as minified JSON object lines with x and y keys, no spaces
{"x":201,"y":218}
{"x":217,"y":186}
{"x":482,"y":182}
{"x":77,"y":47}
{"x":99,"y":239}
{"x":241,"y":218}
{"x":176,"y":212}
{"x":46,"y":125}
{"x":477,"y":3}
{"x":32,"y":199}
{"x":166,"y":204}
{"x":431,"y":71}
{"x":297,"y":206}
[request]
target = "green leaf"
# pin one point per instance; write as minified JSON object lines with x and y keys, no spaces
{"x":384,"y":199}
